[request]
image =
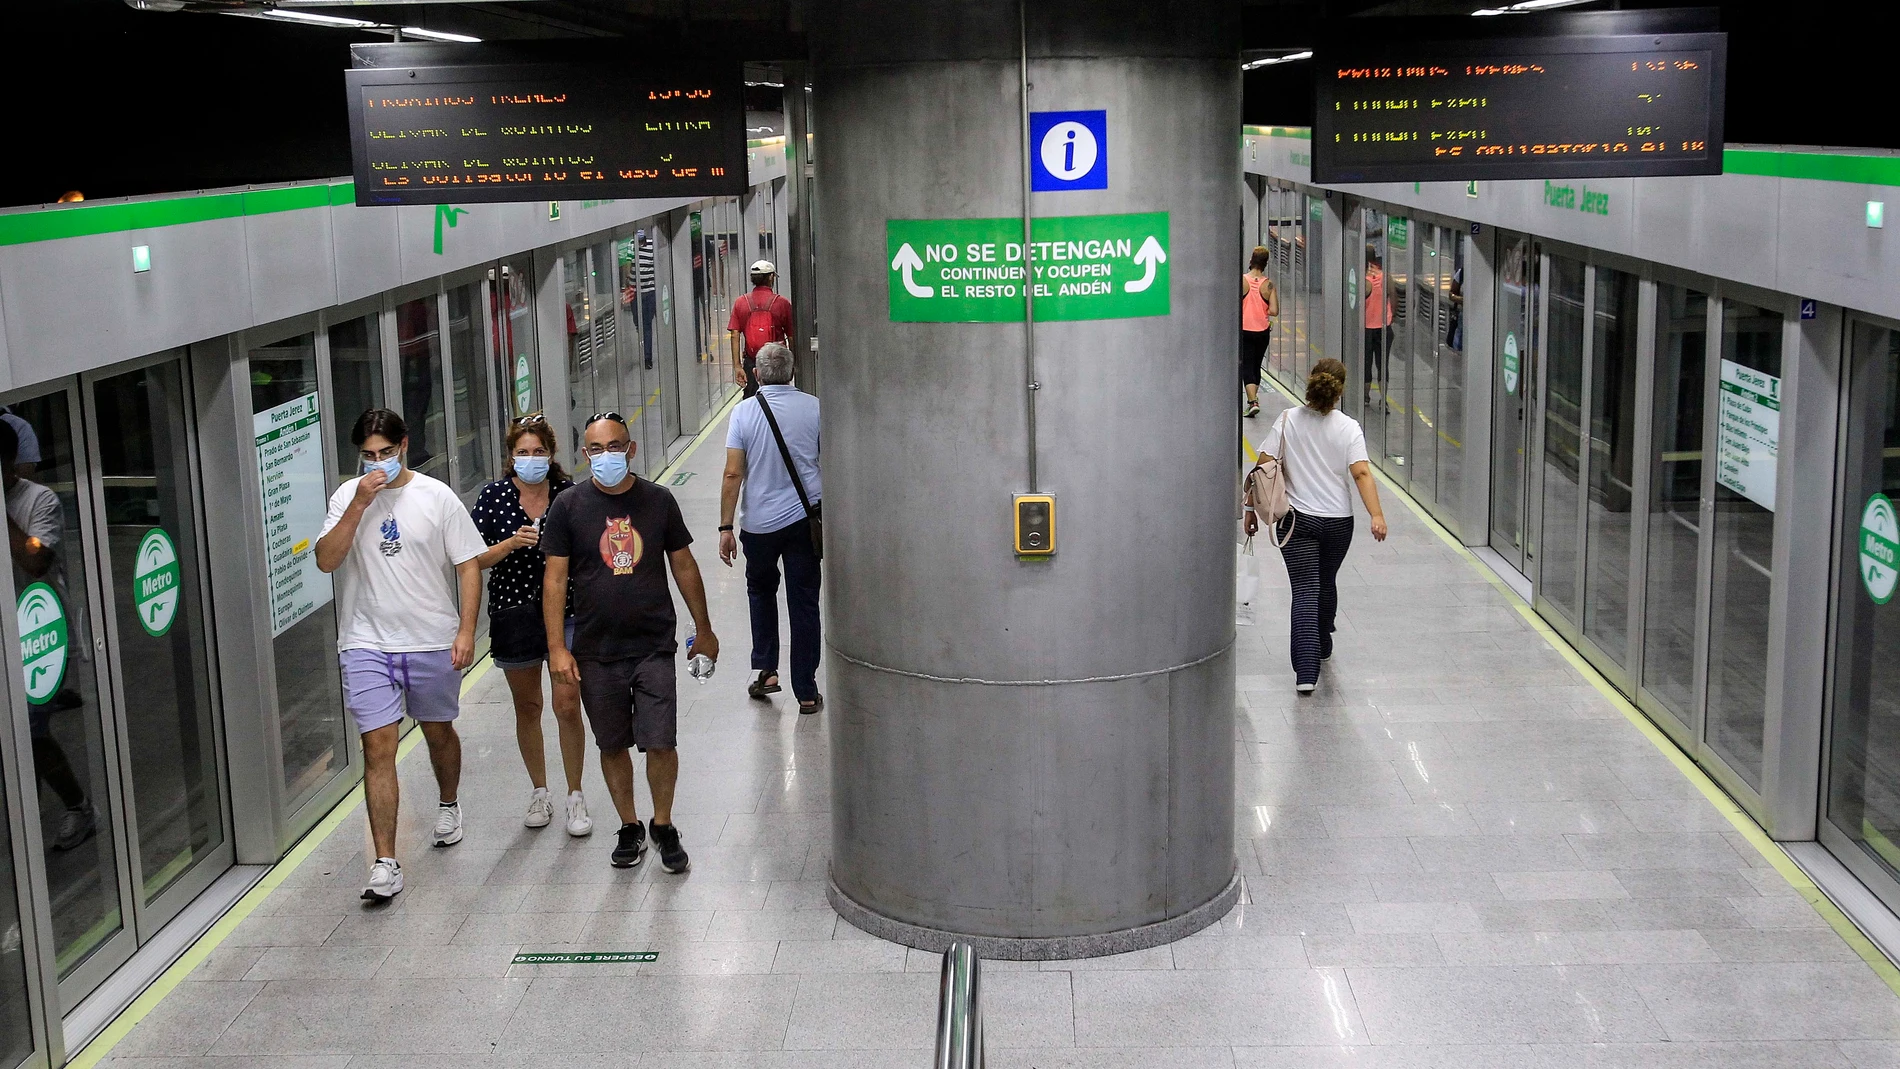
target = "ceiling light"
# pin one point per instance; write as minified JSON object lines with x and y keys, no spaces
{"x":438,"y":35}
{"x":1272,"y":60}
{"x":319,"y":20}
{"x":1528,"y":5}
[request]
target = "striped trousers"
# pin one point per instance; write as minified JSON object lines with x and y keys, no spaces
{"x":1313,"y":556}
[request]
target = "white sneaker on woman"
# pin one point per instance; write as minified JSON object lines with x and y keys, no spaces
{"x":540,"y":809}
{"x":579,"y":824}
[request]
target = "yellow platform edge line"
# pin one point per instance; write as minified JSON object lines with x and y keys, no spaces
{"x":1744,"y":824}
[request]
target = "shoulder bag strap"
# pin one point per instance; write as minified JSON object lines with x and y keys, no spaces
{"x":778,"y":436}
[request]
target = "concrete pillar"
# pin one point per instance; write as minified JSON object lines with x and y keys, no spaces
{"x":1039,"y":755}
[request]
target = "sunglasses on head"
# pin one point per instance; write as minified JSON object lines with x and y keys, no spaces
{"x":532,"y":417}
{"x":615,"y":416}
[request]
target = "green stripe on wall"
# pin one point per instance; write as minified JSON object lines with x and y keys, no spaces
{"x":81,"y":220}
{"x":1814,"y":166}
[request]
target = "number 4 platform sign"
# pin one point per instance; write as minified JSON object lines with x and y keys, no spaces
{"x":1078,"y":267}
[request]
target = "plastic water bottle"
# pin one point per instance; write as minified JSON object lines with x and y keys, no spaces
{"x":701,"y":666}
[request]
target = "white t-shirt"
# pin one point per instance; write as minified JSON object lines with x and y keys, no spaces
{"x":1318,"y":452}
{"x":396,"y":591}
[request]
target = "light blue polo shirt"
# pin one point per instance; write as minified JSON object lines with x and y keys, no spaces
{"x":769,"y":502}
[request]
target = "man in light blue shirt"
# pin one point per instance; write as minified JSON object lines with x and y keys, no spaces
{"x":776,"y":522}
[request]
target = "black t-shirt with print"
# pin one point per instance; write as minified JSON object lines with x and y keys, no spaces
{"x":516,"y":578}
{"x":616,"y":547}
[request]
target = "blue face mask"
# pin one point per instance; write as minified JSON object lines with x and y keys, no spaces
{"x":391,"y":467}
{"x":610,"y":469}
{"x":531,"y":469}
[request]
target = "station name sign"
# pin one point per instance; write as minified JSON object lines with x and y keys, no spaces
{"x":1511,"y":108}
{"x":546,"y":131}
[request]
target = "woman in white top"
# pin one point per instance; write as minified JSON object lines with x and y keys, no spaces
{"x":1323,"y":453}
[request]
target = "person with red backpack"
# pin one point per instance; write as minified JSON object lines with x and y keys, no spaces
{"x":758,"y":318}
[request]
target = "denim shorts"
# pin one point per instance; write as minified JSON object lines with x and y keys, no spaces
{"x":513,"y":644}
{"x":380,"y":687}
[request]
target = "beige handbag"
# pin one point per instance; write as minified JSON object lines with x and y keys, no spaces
{"x":1266,"y":486}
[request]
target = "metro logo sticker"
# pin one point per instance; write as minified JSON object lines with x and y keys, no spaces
{"x":43,"y":642}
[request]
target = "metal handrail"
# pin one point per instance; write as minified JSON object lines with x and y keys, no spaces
{"x":960,"y":1010}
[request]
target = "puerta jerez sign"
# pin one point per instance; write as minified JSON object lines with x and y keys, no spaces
{"x":1551,"y":107}
{"x":548,"y":131}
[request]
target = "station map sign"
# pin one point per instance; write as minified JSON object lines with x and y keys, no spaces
{"x":1513,"y":108}
{"x":546,"y":131}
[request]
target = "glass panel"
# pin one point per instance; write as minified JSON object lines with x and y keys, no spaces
{"x":1748,"y":433}
{"x":16,"y":1029}
{"x":511,"y":334}
{"x":356,"y":381}
{"x":1864,"y":773}
{"x":1309,"y":324}
{"x":1354,"y":267}
{"x":1450,"y":378}
{"x":1513,"y":340}
{"x":1675,"y":495}
{"x":62,"y":694}
{"x":1559,"y":540}
{"x":580,"y":349}
{"x":419,"y":354}
{"x":152,"y":556}
{"x":1425,"y":311}
{"x":1376,"y":316}
{"x":1396,"y":388}
{"x":1280,"y":269}
{"x":635,"y":383}
{"x":601,"y":300}
{"x":310,"y":724}
{"x":476,"y":443}
{"x":1612,"y":463}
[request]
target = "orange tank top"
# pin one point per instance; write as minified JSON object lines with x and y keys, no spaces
{"x":1253,"y":307}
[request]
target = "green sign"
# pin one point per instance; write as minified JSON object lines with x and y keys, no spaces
{"x":524,"y":385}
{"x":1352,"y":287}
{"x":1081,"y":267}
{"x":155,"y":582}
{"x":42,"y":642}
{"x":597,"y":957}
{"x":1398,"y":232}
{"x":1510,"y":362}
{"x":1879,"y":548}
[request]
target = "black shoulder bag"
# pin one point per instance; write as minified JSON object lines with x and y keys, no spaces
{"x":814,"y":513}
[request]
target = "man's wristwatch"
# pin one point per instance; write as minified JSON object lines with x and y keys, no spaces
{"x":724,"y":527}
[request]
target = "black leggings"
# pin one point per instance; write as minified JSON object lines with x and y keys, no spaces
{"x":1313,"y":556}
{"x":1375,"y":355}
{"x":1253,"y":350}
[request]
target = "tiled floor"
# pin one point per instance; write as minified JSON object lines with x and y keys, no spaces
{"x":1458,"y":856}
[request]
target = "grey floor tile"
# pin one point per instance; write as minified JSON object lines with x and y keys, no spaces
{"x":487,"y":929}
{"x":1810,"y":1000}
{"x":337,"y":1061}
{"x":1815,"y":1055}
{"x":1027,"y":1009}
{"x":1557,"y":916}
{"x":1390,"y":949}
{"x":227,"y":963}
{"x":666,"y":1013}
{"x":1779,"y":944}
{"x":268,"y":931}
{"x":1549,"y":818}
{"x":1510,"y":1004}
{"x":694,"y":958}
{"x":1261,"y":1007}
{"x":318,"y":963}
{"x":1359,"y":822}
{"x":447,"y":963}
{"x":1435,"y":887}
{"x":1296,"y":918}
{"x":1313,"y":857}
{"x":1654,"y":851}
{"x":1413,"y":917}
{"x":1547,"y":886}
{"x":1498,"y":1056}
{"x":1687,"y":883}
{"x":189,"y":1020}
{"x":833,"y":956}
{"x":459,"y":1016}
{"x":1217,"y":951}
{"x":883,"y":1011}
{"x":1160,"y":957}
{"x":772,"y":924}
{"x":1099,"y":1058}
{"x":1574,"y":948}
{"x":1872,"y":1054}
{"x":393,"y":929}
{"x":1762,"y":912}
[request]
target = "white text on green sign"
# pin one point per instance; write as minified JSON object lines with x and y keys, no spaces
{"x":1081,"y":267}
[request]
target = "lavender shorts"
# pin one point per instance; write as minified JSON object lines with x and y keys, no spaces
{"x":380,"y":687}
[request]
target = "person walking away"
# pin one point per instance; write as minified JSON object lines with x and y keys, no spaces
{"x":1259,"y":303}
{"x":772,"y":456}
{"x":508,"y":514}
{"x":408,"y":590}
{"x":1378,"y":324}
{"x":758,"y":318}
{"x":1323,"y":454}
{"x":609,"y":535}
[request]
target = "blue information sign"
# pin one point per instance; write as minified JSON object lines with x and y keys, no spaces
{"x":1068,"y":150}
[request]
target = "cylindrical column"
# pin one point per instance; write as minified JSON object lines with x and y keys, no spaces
{"x":1034,"y":755}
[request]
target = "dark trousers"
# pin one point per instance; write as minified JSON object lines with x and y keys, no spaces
{"x":1313,"y":556}
{"x":762,"y":553}
{"x":1375,"y":356}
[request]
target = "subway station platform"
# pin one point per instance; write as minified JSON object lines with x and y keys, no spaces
{"x":1459,"y":852}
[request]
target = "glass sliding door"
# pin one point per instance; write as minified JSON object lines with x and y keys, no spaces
{"x":1674,"y":509}
{"x":1424,"y":309}
{"x":419,"y":363}
{"x":1559,"y":544}
{"x":477,"y":448}
{"x":1375,"y":323}
{"x":16,"y":1025}
{"x":1395,"y":389}
{"x":511,"y":338}
{"x":1449,"y":378}
{"x":1748,"y":429}
{"x":1309,"y":323}
{"x":356,"y":382}
{"x":1514,"y":343}
{"x":1612,"y":458}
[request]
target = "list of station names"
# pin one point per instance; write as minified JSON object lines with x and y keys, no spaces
{"x":290,"y":480}
{"x":543,"y":133}
{"x":1505,"y":115}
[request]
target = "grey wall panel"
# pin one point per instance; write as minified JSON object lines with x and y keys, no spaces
{"x":66,"y":302}
{"x":6,"y":363}
{"x":366,"y":256}
{"x":198,"y":287}
{"x":1733,"y":226}
{"x":1828,"y":251}
{"x":292,"y":270}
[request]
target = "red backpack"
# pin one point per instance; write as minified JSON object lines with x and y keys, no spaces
{"x":761,"y":326}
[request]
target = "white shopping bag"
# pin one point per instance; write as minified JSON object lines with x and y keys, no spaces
{"x":1246,"y":583}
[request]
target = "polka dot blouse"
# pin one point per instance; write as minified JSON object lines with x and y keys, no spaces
{"x":516,"y":578}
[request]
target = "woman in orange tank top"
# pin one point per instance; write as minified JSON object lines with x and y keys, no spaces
{"x":1259,"y":303}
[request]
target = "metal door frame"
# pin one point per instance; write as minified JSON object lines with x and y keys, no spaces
{"x":27,"y":854}
{"x":1517,"y":556}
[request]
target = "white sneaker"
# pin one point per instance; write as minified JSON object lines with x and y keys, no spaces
{"x":448,"y":825}
{"x":540,"y":809}
{"x":1305,"y":688}
{"x":385,"y":879}
{"x":579,"y":824}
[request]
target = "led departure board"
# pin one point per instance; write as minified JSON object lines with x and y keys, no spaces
{"x":532,"y":132}
{"x":1552,"y":107}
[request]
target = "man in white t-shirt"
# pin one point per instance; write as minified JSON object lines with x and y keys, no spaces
{"x":404,"y":552}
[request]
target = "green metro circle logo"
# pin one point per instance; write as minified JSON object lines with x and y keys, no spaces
{"x":155,"y":582}
{"x":42,"y":642}
{"x":1879,"y":548}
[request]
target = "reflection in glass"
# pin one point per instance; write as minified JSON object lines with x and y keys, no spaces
{"x":62,"y":695}
{"x":1612,"y":462}
{"x":1396,"y":388}
{"x":1424,"y":310}
{"x":16,"y":1030}
{"x":419,"y":359}
{"x":1864,"y":772}
{"x":1449,"y":377}
{"x":356,"y":381}
{"x":152,"y":557}
{"x":474,"y":410}
{"x":511,"y":334}
{"x":310,"y":723}
{"x":641,"y":404}
{"x":1559,"y":539}
{"x":1675,"y":495}
{"x":1375,"y":317}
{"x":1747,"y":433}
{"x":1309,"y":319}
{"x":1513,"y":345}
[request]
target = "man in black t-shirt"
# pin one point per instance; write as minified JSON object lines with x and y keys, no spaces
{"x":609,"y":534}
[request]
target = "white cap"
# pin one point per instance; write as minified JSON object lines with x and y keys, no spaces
{"x":763,"y":267}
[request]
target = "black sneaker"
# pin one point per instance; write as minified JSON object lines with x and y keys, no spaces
{"x":672,"y":854}
{"x":632,"y":847}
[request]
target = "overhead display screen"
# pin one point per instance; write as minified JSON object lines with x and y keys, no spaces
{"x":1552,"y":107}
{"x":532,"y":132}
